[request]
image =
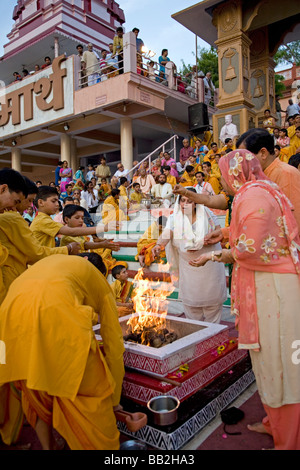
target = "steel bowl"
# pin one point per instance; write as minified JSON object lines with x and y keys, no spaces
{"x":164,"y":409}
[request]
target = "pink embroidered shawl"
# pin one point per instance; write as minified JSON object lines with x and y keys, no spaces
{"x":263,"y":237}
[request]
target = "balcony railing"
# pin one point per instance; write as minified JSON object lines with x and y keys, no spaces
{"x":143,"y":65}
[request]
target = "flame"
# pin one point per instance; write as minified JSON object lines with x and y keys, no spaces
{"x":150,"y":303}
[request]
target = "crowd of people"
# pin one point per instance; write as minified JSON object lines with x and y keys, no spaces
{"x":98,"y":67}
{"x":57,"y":374}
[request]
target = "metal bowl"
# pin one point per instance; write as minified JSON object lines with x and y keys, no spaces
{"x":164,"y":409}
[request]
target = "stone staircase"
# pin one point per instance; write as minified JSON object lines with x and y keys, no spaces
{"x":128,"y":237}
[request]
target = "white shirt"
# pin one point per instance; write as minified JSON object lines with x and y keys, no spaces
{"x":162,"y":190}
{"x":205,"y":188}
{"x":91,"y":202}
{"x":119,"y":174}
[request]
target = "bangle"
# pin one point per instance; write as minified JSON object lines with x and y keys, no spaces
{"x":213,"y":256}
{"x":69,"y":248}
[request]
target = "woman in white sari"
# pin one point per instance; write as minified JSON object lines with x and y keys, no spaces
{"x":202,"y":291}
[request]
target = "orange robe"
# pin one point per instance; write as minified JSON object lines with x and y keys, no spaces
{"x":288,"y":179}
{"x":64,"y":376}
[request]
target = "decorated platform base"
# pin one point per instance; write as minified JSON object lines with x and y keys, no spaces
{"x":195,"y":412}
{"x":191,"y":377}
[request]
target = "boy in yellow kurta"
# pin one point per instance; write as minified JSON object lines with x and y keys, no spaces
{"x":148,"y":240}
{"x":67,"y":382}
{"x":73,"y":217}
{"x":104,"y":190}
{"x":211,"y":177}
{"x":122,"y":290}
{"x":188,"y":178}
{"x":111,"y":211}
{"x":136,"y":196}
{"x":45,"y":229}
{"x":23,"y":249}
{"x":171,"y":179}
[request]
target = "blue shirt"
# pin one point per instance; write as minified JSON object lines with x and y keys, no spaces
{"x":57,"y":177}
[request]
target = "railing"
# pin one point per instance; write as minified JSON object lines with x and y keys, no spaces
{"x":98,"y":73}
{"x":161,"y":148}
{"x":141,"y":64}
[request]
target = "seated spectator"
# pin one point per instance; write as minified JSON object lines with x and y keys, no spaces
{"x":146,"y":182}
{"x":25,"y":73}
{"x":121,"y":172}
{"x":157,"y":168}
{"x":185,"y":152}
{"x":90,"y":195}
{"x":279,"y":153}
{"x":111,"y":211}
{"x":192,"y":161}
{"x":148,"y":241}
{"x":170,"y":178}
{"x":67,"y":193}
{"x":37,"y":68}
{"x":211,"y":178}
{"x":229,"y":145}
{"x":210,"y":156}
{"x":136,"y":196}
{"x":188,"y":178}
{"x":162,"y":191}
{"x":283,"y":140}
{"x":29,"y":215}
{"x":104,"y":190}
{"x":203,"y":187}
{"x":200,"y":151}
{"x":122,"y":290}
{"x":169,"y":161}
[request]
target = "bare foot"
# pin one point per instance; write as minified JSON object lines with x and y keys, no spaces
{"x":257,"y":427}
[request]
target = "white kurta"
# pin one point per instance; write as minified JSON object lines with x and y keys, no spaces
{"x":198,"y":286}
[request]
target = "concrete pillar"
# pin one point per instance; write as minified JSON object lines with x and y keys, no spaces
{"x":56,"y":47}
{"x":16,"y":159}
{"x":126,"y":143}
{"x":74,"y":159}
{"x":129,"y":46}
{"x":65,"y":148}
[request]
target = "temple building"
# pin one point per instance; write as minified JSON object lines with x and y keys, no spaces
{"x":247,"y":35}
{"x":56,"y":113}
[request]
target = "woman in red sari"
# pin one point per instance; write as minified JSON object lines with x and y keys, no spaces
{"x":265,"y":294}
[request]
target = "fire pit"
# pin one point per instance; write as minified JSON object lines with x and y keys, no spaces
{"x":190,"y":340}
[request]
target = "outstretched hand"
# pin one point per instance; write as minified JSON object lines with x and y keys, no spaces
{"x":214,"y":237}
{"x":178,"y":189}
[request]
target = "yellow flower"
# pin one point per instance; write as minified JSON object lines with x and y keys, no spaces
{"x":283,"y":251}
{"x":242,"y":244}
{"x":235,"y":165}
{"x":249,"y":156}
{"x":265,"y":258}
{"x":269,"y":244}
